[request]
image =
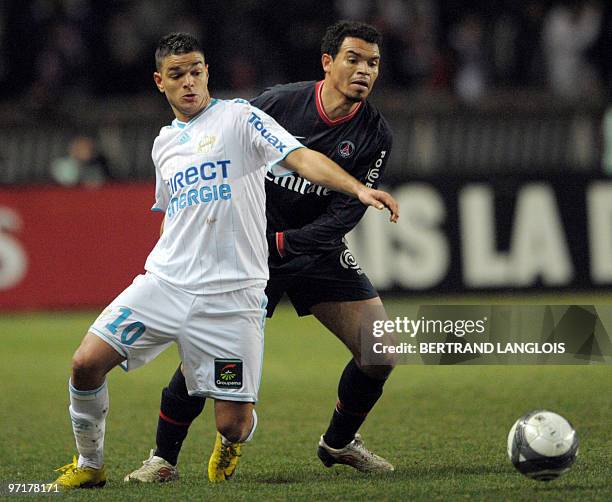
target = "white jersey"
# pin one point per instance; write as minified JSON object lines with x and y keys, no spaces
{"x":210,"y":183}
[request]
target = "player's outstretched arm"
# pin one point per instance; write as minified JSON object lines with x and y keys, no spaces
{"x":319,"y":169}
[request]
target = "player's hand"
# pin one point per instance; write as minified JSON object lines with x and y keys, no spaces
{"x":380,"y":200}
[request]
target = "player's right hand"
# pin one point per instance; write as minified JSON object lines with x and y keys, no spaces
{"x":380,"y":199}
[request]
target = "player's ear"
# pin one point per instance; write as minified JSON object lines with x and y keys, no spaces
{"x":326,"y":62}
{"x":158,"y":81}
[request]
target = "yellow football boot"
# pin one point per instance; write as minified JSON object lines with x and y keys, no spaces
{"x":223,"y":460}
{"x":74,"y":476}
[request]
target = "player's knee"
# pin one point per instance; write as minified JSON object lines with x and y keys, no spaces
{"x":389,"y":362}
{"x":81,"y":364}
{"x":234,"y":433}
{"x":385,"y":362}
{"x":382,"y":369}
{"x":237,"y":429}
{"x":85,"y":371}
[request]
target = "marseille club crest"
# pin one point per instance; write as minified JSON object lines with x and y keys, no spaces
{"x":206,"y":143}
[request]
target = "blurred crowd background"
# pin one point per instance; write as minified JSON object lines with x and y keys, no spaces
{"x":501,"y":112}
{"x":532,"y":74}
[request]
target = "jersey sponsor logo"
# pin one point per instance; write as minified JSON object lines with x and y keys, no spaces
{"x":298,"y":184}
{"x":346,"y":148}
{"x":348,"y":261}
{"x":206,"y":143}
{"x":210,"y":192}
{"x":195,"y":196}
{"x":206,"y":171}
{"x":258,"y":124}
{"x":228,"y":373}
{"x":374,"y":172}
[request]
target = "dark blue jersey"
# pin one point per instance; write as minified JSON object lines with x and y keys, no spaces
{"x":313,"y":219}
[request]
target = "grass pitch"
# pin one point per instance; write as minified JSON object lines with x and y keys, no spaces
{"x":444,"y":427}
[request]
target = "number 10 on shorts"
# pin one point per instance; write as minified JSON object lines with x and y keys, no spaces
{"x":131,"y":332}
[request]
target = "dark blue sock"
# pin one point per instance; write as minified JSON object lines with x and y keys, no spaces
{"x":357,"y":395}
{"x":177,"y":410}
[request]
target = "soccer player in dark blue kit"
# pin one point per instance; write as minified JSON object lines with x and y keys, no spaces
{"x":309,"y":260}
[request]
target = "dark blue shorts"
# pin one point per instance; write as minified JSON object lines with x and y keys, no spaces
{"x":309,"y":280}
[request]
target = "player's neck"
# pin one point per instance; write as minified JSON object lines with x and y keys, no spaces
{"x":187,"y":118}
{"x":335,"y":103}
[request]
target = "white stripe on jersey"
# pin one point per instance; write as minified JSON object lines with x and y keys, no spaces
{"x":210,"y":183}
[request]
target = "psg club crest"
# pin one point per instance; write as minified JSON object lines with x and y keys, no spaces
{"x":346,"y":148}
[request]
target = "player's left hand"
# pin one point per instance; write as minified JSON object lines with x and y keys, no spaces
{"x":380,"y":200}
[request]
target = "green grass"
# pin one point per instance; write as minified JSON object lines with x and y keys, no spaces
{"x":444,"y":427}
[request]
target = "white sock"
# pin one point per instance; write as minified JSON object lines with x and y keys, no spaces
{"x":227,"y":442}
{"x":88,"y":410}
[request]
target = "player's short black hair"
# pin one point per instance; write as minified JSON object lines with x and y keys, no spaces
{"x":175,"y":43}
{"x":337,"y":32}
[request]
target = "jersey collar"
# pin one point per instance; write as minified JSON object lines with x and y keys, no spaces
{"x":321,"y":110}
{"x":181,"y":125}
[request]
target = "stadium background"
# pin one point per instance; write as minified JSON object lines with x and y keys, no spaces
{"x":503,"y":149}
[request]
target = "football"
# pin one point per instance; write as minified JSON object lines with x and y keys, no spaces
{"x":542,"y":445}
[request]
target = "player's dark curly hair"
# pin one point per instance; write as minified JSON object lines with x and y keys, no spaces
{"x":336,"y":33}
{"x":175,"y":43}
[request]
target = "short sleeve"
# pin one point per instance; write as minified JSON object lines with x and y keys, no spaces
{"x":162,"y":194}
{"x":271,"y":142}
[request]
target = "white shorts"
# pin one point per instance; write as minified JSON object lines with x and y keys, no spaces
{"x":219,"y":336}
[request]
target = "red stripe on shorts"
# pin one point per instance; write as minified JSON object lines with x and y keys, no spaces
{"x":280,"y":244}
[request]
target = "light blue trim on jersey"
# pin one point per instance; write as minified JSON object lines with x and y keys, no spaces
{"x":226,"y":396}
{"x":272,"y":164}
{"x":157,"y":210}
{"x":264,"y":304}
{"x":183,"y":125}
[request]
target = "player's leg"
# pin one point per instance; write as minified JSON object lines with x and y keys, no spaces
{"x":92,"y":360}
{"x":334,"y":288}
{"x":138,"y":325}
{"x":222,"y":351}
{"x":360,"y":385}
{"x":236,"y":423}
{"x":88,"y":409}
{"x":178,"y":410}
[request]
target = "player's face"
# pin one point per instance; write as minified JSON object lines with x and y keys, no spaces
{"x":183,"y":78}
{"x":354,"y":69}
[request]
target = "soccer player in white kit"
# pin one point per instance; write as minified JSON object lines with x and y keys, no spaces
{"x":205,"y":278}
